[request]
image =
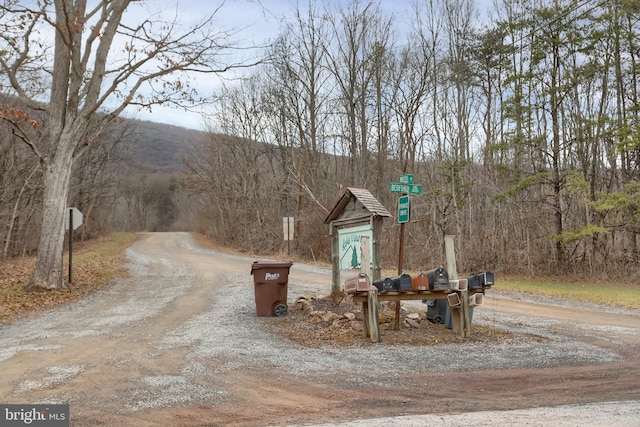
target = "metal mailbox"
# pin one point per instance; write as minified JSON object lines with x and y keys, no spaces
{"x":383,"y":284}
{"x":401,"y":282}
{"x":420,"y":282}
{"x":480,"y":280}
{"x":357,"y":283}
{"x":438,"y":279}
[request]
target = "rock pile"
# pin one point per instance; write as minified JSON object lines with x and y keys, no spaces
{"x":317,"y":310}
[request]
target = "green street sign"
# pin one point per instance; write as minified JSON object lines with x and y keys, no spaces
{"x":398,"y":187}
{"x":406,"y":179}
{"x":404,"y":209}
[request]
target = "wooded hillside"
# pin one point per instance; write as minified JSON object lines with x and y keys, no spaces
{"x":522,"y":128}
{"x":121,"y":183}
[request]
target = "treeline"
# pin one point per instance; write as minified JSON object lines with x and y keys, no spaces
{"x":114,"y":184}
{"x":521,"y":125}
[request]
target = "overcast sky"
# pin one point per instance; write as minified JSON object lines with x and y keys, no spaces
{"x":259,"y":21}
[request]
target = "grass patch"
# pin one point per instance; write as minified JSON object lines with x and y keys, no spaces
{"x":624,"y":295}
{"x":101,"y":261}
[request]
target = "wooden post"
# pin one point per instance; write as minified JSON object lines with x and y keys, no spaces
{"x":365,"y":261}
{"x":460,"y":316}
{"x":376,"y":256}
{"x":450,"y":253}
{"x":454,"y":303}
{"x":396,"y":322}
{"x":365,"y":318}
{"x":335,"y":260}
{"x":455,"y":320}
{"x":372,"y":315}
{"x":466,"y":317}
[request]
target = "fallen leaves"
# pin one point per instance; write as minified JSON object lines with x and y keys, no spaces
{"x":95,"y":264}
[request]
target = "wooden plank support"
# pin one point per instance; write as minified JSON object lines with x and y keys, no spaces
{"x":365,"y":318}
{"x":463,"y":327}
{"x":466,"y":318}
{"x":371,"y":299}
{"x":396,"y":323}
{"x":456,"y":320}
{"x":372,"y":318}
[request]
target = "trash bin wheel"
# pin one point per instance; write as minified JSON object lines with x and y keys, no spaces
{"x":281,"y":310}
{"x":437,"y":319}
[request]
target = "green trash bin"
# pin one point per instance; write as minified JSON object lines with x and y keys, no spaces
{"x":270,"y":282}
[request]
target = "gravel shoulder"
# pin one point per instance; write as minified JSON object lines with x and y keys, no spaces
{"x":178,"y":343}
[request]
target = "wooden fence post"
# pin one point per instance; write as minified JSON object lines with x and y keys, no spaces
{"x":373,"y":319}
{"x":461,"y":323}
{"x":371,"y":315}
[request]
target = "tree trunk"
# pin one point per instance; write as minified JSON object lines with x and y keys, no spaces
{"x":556,"y":178}
{"x":57,"y":174}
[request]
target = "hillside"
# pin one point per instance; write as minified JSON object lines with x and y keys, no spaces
{"x":159,"y":148}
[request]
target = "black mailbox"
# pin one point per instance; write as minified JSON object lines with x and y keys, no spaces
{"x":480,"y":280}
{"x":383,"y":284}
{"x":438,"y":279}
{"x":401,"y":282}
{"x":394,"y":284}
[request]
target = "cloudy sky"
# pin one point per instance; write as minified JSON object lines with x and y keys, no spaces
{"x":258,"y":21}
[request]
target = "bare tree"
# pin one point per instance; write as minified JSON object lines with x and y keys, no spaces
{"x":98,"y":62}
{"x":97,"y":176}
{"x":20,"y":187}
{"x":360,"y":33}
{"x":299,"y":90}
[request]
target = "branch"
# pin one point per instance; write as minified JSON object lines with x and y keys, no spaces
{"x":21,"y":54}
{"x":14,"y":118}
{"x":168,"y":55}
{"x":307,"y":189}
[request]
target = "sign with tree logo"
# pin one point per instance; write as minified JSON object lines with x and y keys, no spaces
{"x":350,"y":250}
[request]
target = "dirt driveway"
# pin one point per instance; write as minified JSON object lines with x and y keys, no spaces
{"x":178,"y":344}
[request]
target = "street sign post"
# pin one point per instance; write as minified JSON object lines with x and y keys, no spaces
{"x":406,"y":187}
{"x":399,"y":187}
{"x":288,"y":231}
{"x":406,"y":179}
{"x":73,"y":220}
{"x":404,"y":209}
{"x":288,"y":227}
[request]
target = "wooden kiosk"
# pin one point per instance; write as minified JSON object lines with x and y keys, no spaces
{"x":356,"y":220}
{"x":356,"y":211}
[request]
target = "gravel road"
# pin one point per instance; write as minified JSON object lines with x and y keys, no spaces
{"x":178,"y":343}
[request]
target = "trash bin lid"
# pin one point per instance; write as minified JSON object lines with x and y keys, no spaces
{"x":256,"y":265}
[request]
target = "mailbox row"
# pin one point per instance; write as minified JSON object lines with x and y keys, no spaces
{"x":432,"y":280}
